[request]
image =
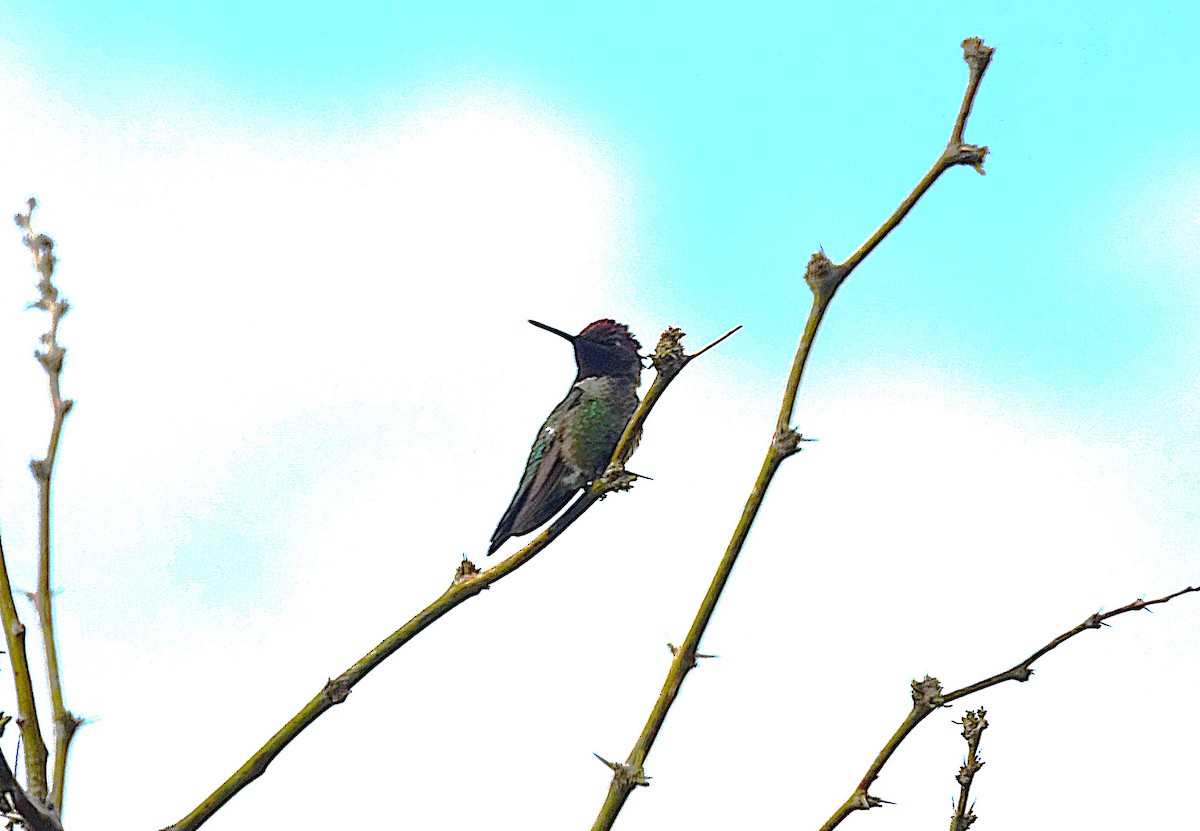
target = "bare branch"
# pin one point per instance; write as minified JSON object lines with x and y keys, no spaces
{"x":31,"y":813}
{"x":31,"y":732}
{"x":468,"y":581}
{"x":51,"y":357}
{"x":823,"y":277}
{"x":931,"y":699}
{"x":974,"y":723}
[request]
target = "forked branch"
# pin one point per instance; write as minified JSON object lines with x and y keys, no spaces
{"x":928,"y":698}
{"x":669,"y":361}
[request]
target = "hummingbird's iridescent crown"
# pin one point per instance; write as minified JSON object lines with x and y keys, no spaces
{"x":606,"y":347}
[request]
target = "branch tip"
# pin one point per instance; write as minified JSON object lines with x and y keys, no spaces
{"x":976,"y":54}
{"x":714,"y":343}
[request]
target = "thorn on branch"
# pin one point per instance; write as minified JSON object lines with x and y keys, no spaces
{"x":788,"y":442}
{"x":625,"y":774}
{"x":696,"y":656}
{"x":865,"y":802}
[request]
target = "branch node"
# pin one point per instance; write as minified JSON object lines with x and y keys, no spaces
{"x":966,"y":154}
{"x":864,"y":802}
{"x":625,"y":774}
{"x":336,"y":691}
{"x":675,"y":650}
{"x":927,"y":693}
{"x":466,"y":572}
{"x":787,"y":442}
{"x":668,"y":358}
{"x":823,"y":276}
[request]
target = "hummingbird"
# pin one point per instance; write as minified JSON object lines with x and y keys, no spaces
{"x":574,"y":445}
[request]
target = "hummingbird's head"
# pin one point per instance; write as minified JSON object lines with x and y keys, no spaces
{"x":603,"y":348}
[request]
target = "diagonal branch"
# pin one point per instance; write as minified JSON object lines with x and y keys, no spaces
{"x":823,"y":277}
{"x":15,"y":804}
{"x":928,"y":698}
{"x":31,"y":732}
{"x":669,"y":361}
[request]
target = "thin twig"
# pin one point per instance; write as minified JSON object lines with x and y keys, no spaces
{"x":928,"y":698}
{"x":669,"y":360}
{"x":51,"y":357}
{"x":974,"y":723}
{"x":823,"y":277}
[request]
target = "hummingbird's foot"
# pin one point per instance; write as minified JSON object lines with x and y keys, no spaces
{"x":616,"y":478}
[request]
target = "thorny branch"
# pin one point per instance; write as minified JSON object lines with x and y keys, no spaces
{"x":974,"y":723}
{"x":928,"y":698}
{"x":823,"y":277}
{"x":51,"y":358}
{"x":669,"y":360}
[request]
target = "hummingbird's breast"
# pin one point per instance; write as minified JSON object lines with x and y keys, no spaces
{"x":605,"y":407}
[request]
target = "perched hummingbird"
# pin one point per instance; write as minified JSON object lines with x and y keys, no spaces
{"x":577,"y":441}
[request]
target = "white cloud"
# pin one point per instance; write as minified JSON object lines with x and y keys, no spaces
{"x":306,"y":386}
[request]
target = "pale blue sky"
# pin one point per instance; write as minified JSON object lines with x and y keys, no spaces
{"x":302,"y":243}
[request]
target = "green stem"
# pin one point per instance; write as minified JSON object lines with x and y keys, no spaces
{"x":824,"y":278}
{"x":31,"y":734}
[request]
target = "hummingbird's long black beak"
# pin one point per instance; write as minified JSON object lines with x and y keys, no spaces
{"x":558,"y":332}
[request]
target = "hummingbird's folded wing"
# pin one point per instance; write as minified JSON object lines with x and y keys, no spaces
{"x":542,"y":493}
